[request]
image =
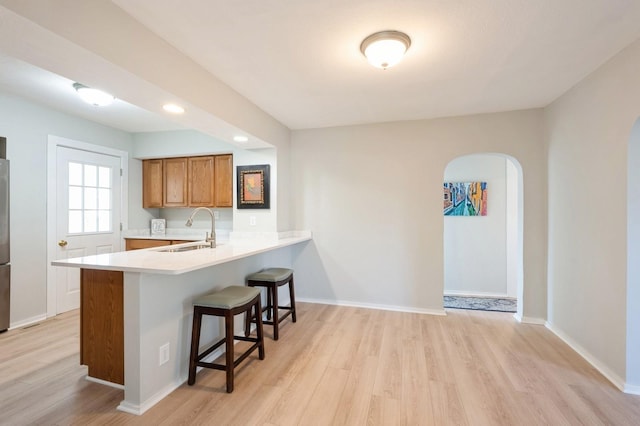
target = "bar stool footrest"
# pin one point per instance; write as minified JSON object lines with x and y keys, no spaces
{"x":269,"y":322}
{"x":209,"y":350}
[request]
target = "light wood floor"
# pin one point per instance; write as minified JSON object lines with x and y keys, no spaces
{"x":340,"y":366}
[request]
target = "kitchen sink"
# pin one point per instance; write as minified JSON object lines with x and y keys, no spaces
{"x":187,"y":248}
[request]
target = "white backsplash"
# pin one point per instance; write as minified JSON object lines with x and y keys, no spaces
{"x":177,"y":217}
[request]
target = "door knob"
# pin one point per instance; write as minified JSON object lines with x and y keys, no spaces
{"x":62,"y":243}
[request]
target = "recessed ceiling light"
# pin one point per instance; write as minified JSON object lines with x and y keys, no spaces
{"x":384,"y":49}
{"x":92,"y":96}
{"x":241,"y":139}
{"x":173,"y":108}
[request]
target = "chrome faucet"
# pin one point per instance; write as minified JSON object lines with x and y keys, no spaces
{"x":211,"y":238}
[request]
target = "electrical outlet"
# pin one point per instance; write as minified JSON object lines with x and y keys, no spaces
{"x":252,"y":220}
{"x":216,"y":214}
{"x":163,"y":355}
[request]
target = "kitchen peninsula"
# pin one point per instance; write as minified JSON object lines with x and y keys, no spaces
{"x":144,"y":299}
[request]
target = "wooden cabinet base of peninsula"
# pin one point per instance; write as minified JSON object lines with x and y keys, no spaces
{"x":102,"y":324}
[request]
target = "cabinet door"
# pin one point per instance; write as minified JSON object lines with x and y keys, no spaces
{"x":102,"y":324}
{"x":201,"y":183}
{"x":175,"y":182}
{"x":224,"y":180}
{"x":151,"y":183}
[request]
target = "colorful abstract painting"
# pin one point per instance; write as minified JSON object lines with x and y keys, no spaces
{"x":465,"y":198}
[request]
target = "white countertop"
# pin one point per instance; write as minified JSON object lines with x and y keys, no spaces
{"x":155,"y":261}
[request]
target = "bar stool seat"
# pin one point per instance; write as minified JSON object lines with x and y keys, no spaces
{"x":226,"y":303}
{"x":271,"y":279}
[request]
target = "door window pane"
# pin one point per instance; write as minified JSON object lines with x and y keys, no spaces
{"x":75,"y":174}
{"x":90,"y":175}
{"x":90,"y":198}
{"x":104,"y":199}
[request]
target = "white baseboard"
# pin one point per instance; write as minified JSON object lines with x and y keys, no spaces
{"x":440,"y":312}
{"x":631,"y":389}
{"x":130,"y":408}
{"x":140,"y":409}
{"x":529,"y":320}
{"x":616,"y":380}
{"x":103,"y":382}
{"x":27,"y":321}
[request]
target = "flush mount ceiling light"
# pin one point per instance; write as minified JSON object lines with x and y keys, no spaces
{"x":173,"y":108}
{"x":384,"y":49}
{"x":240,"y":139}
{"x":92,"y":96}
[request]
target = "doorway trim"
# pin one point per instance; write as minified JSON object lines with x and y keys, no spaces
{"x":53,"y":143}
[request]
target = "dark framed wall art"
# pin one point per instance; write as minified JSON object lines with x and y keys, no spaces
{"x":253,"y":186}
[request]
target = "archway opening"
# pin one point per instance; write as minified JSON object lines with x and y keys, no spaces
{"x":483,"y":254}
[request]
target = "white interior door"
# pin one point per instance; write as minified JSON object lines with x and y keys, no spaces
{"x":88,"y":210}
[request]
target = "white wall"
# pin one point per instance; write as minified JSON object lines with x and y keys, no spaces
{"x":26,"y":127}
{"x":138,"y":217}
{"x":588,"y":137}
{"x":372,"y":195}
{"x":633,"y":261}
{"x":514,"y":229}
{"x":475,"y":248}
{"x":177,"y":143}
{"x":176,"y":218}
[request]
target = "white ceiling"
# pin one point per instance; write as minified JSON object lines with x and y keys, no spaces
{"x":299,"y":60}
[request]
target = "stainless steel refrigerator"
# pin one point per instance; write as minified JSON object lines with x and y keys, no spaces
{"x":5,"y":267}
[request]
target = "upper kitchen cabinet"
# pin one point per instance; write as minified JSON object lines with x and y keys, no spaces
{"x":201,"y":181}
{"x":175,"y":182}
{"x":152,"y":184}
{"x":204,"y":181}
{"x":223,"y":172}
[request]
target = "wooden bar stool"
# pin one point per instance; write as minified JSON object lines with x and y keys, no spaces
{"x":225,"y":303}
{"x":272,"y":278}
